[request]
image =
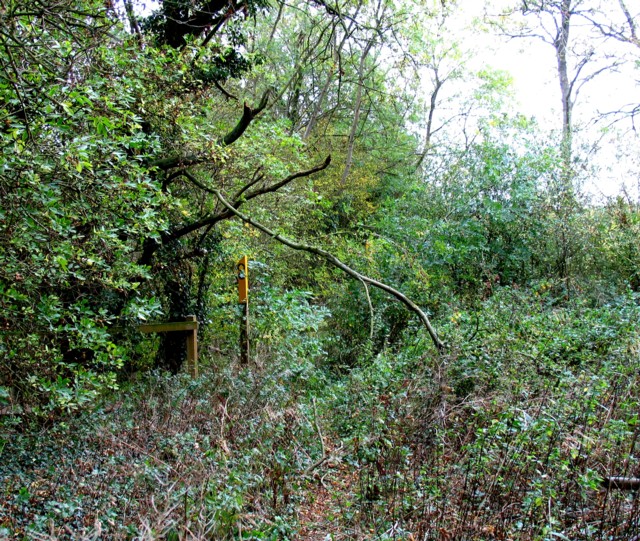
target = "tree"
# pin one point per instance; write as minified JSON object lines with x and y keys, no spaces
{"x":122,"y":146}
{"x":76,"y":193}
{"x":437,"y":55}
{"x":579,"y":60}
{"x":619,"y":25}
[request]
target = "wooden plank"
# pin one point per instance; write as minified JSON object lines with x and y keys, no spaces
{"x":169,"y":327}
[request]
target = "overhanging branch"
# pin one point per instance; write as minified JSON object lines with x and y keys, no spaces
{"x":284,"y":182}
{"x":413,"y":307}
{"x":248,"y":115}
{"x":238,"y":200}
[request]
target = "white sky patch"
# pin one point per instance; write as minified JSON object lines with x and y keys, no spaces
{"x":532,"y":64}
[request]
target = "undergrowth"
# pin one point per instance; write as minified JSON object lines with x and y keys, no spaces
{"x":169,"y":458}
{"x":508,"y":435}
{"x":511,"y":433}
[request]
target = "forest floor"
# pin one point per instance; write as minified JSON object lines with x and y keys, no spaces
{"x":506,"y":436}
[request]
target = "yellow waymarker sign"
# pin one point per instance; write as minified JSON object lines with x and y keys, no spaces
{"x":243,"y":279}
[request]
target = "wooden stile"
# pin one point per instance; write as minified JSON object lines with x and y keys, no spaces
{"x":190,"y":325}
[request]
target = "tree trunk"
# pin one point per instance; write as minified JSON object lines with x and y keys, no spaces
{"x":356,"y":114}
{"x":560,"y":44}
{"x":432,"y":108}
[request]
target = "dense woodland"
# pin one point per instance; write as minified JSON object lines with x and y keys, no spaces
{"x":443,"y":321}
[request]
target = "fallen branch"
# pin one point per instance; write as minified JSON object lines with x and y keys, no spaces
{"x":342,"y":266}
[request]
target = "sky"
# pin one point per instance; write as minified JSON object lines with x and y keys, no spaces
{"x":532,"y":64}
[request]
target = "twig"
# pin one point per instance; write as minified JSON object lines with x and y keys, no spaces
{"x":315,"y":421}
{"x":366,"y":291}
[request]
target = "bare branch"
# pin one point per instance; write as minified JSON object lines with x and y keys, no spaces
{"x":371,"y":321}
{"x":225,"y":214}
{"x":630,"y":21}
{"x":248,"y":115}
{"x":257,"y":177}
{"x":299,"y":174}
{"x":609,"y":31}
{"x":593,"y":75}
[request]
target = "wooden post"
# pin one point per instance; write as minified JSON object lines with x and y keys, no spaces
{"x":192,"y":348}
{"x":244,"y":334}
{"x":243,"y":299}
